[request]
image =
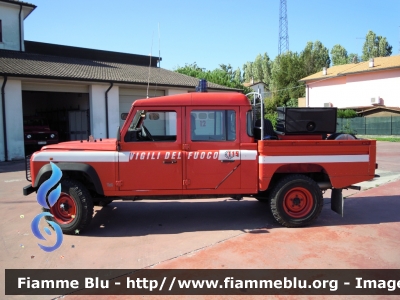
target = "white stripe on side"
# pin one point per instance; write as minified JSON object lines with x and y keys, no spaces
{"x":313,"y":159}
{"x":237,"y":154}
{"x":248,"y":154}
{"x":77,"y":156}
{"x":124,"y":156}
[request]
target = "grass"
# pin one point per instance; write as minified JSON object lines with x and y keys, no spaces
{"x":395,"y":139}
{"x":388,"y":139}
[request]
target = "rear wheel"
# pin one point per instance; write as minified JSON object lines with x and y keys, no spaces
{"x":74,"y":208}
{"x":296,"y":201}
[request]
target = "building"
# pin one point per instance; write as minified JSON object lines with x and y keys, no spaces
{"x":80,"y":91}
{"x":259,"y":87}
{"x":359,"y":85}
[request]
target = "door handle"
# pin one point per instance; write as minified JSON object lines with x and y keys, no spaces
{"x":169,"y":162}
{"x":227,"y":161}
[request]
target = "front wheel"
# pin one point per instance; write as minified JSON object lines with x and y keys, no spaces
{"x":73,"y":210}
{"x":296,"y":201}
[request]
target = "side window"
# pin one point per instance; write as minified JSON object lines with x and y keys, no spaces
{"x":156,"y":126}
{"x":213,"y":125}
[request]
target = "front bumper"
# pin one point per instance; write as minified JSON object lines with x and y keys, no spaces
{"x":29,"y":189}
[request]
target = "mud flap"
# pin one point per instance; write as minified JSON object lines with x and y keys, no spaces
{"x":337,"y":201}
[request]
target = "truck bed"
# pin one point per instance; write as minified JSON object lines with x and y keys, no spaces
{"x":346,"y":162}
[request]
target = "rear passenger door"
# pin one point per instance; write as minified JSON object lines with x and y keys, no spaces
{"x":212,"y":149}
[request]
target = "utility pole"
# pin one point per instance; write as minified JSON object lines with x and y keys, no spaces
{"x":283,"y":45}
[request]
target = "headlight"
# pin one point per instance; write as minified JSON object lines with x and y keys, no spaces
{"x":52,"y":135}
{"x":28,"y":136}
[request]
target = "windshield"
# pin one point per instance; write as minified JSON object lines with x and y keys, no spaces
{"x":35,"y":122}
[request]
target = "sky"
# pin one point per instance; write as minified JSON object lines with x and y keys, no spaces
{"x":210,"y":32}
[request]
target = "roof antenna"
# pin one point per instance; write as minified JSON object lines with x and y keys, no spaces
{"x":159,"y":47}
{"x":159,"y":58}
{"x":148,"y":78}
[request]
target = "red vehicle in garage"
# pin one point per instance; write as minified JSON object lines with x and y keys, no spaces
{"x":208,"y":144}
{"x":38,"y":133}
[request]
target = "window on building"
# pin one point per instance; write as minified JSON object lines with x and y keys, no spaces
{"x":213,"y":125}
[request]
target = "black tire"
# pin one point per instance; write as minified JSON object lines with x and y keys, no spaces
{"x":77,"y":210}
{"x":296,"y":201}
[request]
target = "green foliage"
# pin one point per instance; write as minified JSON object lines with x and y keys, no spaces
{"x":375,"y":46}
{"x":223,"y":76}
{"x":383,"y":139}
{"x":287,"y":70}
{"x":238,"y":75}
{"x":270,"y":111}
{"x":353,"y":58}
{"x":339,"y":55}
{"x":346,"y":113}
{"x":292,"y":103}
{"x":259,"y":70}
{"x":315,"y":56}
{"x":248,"y":71}
{"x":346,"y":128}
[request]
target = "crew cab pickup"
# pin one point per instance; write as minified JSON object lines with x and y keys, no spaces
{"x":202,"y":145}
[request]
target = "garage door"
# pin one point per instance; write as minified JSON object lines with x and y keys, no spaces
{"x":127,"y":97}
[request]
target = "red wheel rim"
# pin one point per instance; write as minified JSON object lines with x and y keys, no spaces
{"x":64,"y":210}
{"x":298,"y":202}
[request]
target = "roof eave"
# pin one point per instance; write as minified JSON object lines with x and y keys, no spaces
{"x":349,"y":73}
{"x":319,"y":78}
{"x":113,"y":81}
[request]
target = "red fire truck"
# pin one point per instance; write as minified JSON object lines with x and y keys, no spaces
{"x":208,"y":145}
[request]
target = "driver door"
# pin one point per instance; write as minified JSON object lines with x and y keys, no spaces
{"x":151,"y":151}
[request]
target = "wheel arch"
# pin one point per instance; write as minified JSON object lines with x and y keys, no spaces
{"x":71,"y":169}
{"x":315,"y":171}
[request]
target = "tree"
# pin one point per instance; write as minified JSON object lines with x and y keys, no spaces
{"x":257,"y":69}
{"x":228,"y":70}
{"x":375,"y":46}
{"x":287,"y":70}
{"x":238,"y":75}
{"x":315,"y":56}
{"x":353,"y":58}
{"x":223,"y":75}
{"x":248,"y":71}
{"x":339,"y":55}
{"x":267,"y":68}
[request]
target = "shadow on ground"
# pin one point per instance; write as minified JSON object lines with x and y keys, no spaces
{"x":12,"y":166}
{"x":170,"y":217}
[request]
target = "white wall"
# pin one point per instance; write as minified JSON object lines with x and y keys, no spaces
{"x":14,"y":122}
{"x":332,"y":90}
{"x":113,"y":111}
{"x":357,"y":90}
{"x":98,"y":111}
{"x":170,"y":92}
{"x":9,"y":14}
